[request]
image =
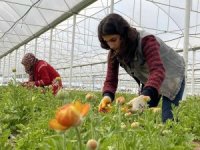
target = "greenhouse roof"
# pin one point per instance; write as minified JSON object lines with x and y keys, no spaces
{"x":64,"y":33}
{"x":24,"y":20}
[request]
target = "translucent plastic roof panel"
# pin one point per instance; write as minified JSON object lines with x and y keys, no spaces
{"x":164,"y":18}
{"x":23,"y":20}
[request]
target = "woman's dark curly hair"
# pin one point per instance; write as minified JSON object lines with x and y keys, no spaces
{"x":116,"y":24}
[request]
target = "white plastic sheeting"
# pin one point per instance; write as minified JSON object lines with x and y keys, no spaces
{"x":23,"y":20}
{"x":164,"y":18}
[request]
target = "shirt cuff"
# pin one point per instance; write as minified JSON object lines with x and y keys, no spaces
{"x":111,"y":95}
{"x":151,"y":92}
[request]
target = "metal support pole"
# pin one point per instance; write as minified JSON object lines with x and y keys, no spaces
{"x":112,"y":6}
{"x":15,"y":59}
{"x":0,"y":65}
{"x":3,"y":73}
{"x":15,"y":67}
{"x":140,"y":13}
{"x":24,"y":74}
{"x":80,"y":79}
{"x":186,"y":41}
{"x":91,"y":77}
{"x":104,"y":72}
{"x":0,"y":70}
{"x":193,"y":71}
{"x":35,"y":50}
{"x":72,"y":50}
{"x":9,"y":66}
{"x":50,"y":46}
{"x":93,"y":80}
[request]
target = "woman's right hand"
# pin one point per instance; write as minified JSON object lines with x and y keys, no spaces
{"x":104,"y":104}
{"x":28,"y":84}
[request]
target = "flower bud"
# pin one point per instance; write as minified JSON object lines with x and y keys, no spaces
{"x":90,"y":96}
{"x":92,"y":144}
{"x":135,"y":124}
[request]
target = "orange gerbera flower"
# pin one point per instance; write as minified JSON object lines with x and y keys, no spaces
{"x":90,"y":96}
{"x":69,"y":115}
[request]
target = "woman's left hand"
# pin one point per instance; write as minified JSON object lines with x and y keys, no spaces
{"x":138,"y":103}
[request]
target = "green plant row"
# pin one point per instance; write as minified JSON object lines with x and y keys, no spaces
{"x":25,"y":115}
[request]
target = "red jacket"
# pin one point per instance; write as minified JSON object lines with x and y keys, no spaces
{"x":44,"y":75}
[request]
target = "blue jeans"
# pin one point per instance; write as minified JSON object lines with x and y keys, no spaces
{"x":167,"y":104}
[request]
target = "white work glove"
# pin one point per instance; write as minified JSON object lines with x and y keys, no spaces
{"x":103,"y":106}
{"x":138,"y":103}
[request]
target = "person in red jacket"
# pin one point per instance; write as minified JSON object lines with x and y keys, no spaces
{"x":40,"y":73}
{"x":144,"y":57}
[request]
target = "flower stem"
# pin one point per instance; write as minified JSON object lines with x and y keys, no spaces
{"x":91,"y":124}
{"x":119,"y":115}
{"x":79,"y":138}
{"x":119,"y":123}
{"x":64,"y":143}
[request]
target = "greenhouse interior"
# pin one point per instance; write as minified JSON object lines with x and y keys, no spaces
{"x":68,"y":40}
{"x":64,"y":33}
